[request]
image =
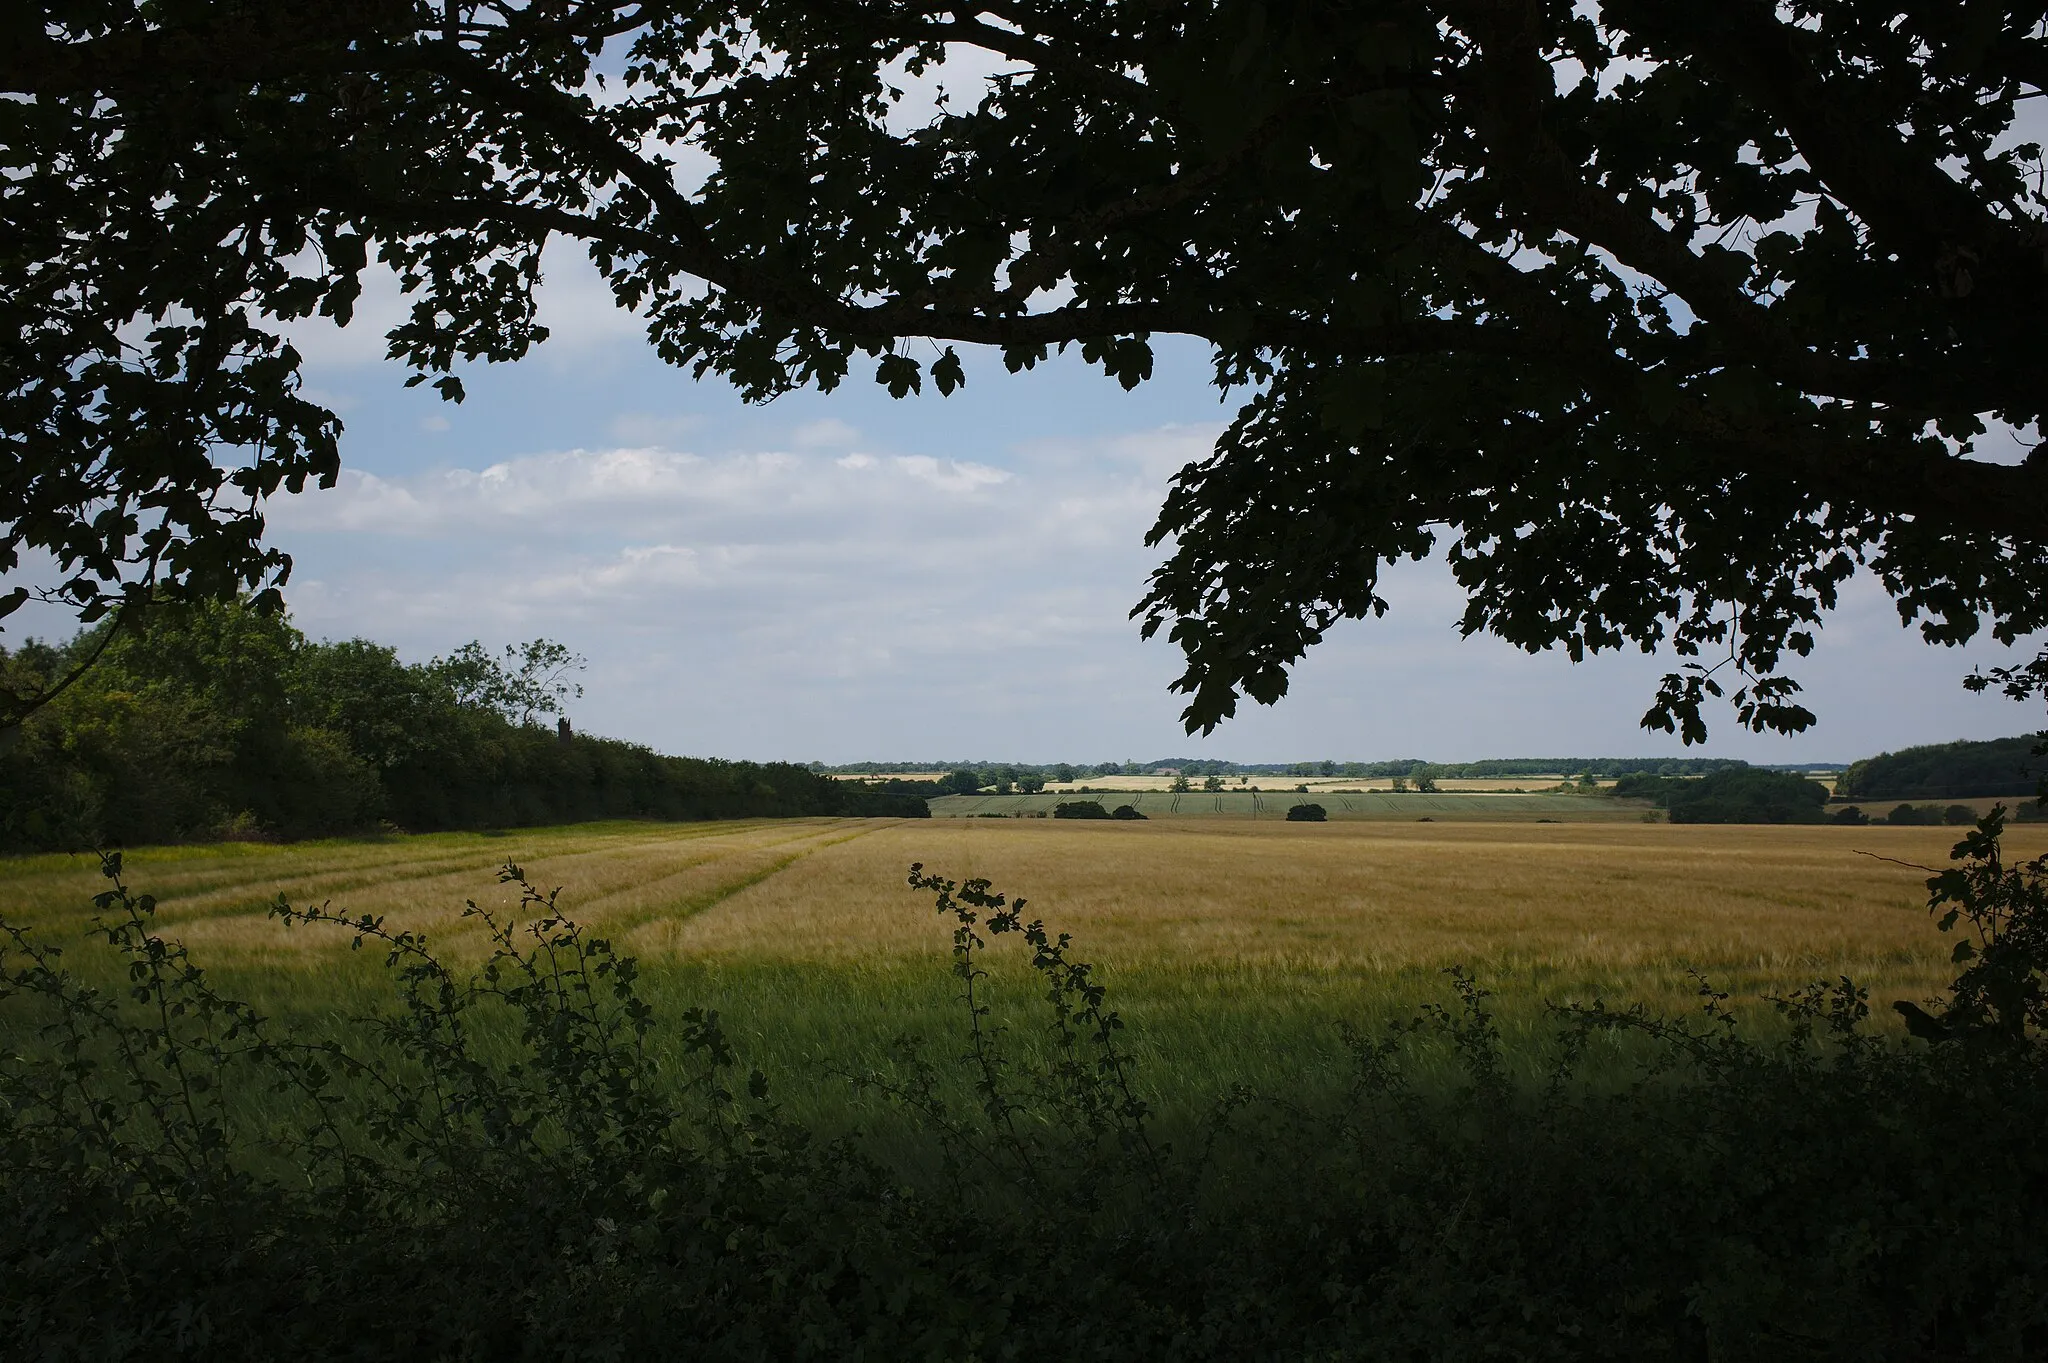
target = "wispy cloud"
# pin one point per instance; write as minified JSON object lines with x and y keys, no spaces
{"x":825,"y":433}
{"x":766,"y":496}
{"x":839,"y":603}
{"x":885,"y":565}
{"x":774,"y":572}
{"x":648,"y":429}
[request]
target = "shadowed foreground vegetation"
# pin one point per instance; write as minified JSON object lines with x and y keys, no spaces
{"x":518,"y":1154}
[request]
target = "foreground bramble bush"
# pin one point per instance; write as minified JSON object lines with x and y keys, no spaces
{"x":181,"y":1177}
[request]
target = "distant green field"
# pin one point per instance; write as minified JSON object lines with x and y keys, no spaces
{"x":1382,"y":806}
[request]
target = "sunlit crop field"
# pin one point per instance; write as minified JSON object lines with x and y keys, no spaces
{"x":1233,"y":948}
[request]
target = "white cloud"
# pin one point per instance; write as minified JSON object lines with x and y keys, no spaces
{"x":632,"y":573}
{"x":358,"y":503}
{"x":768,"y":579}
{"x":2003,"y":443}
{"x":645,"y":428}
{"x":766,"y":496}
{"x":826,"y":432}
{"x":802,"y":603}
{"x":961,"y":75}
{"x":333,"y":401}
{"x":577,"y":306}
{"x":1161,"y":453}
{"x":324,"y":345}
{"x":951,"y":475}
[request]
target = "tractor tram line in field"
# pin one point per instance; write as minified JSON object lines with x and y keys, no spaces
{"x":657,"y":909}
{"x":200,"y":882}
{"x":608,"y":857}
{"x":643,"y":869}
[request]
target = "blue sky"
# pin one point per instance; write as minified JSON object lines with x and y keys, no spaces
{"x":846,"y":577}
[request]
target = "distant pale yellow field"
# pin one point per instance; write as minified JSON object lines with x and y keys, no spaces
{"x":1272,"y":782}
{"x":1617,"y":909}
{"x":1264,"y":782}
{"x":1314,"y":783}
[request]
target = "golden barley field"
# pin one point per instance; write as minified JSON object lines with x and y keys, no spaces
{"x":1231,"y":948}
{"x":1603,"y":903}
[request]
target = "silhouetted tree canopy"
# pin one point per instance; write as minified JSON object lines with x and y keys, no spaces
{"x":1660,"y":318}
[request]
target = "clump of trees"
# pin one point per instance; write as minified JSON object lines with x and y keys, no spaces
{"x":1748,"y":795}
{"x":1004,"y":780}
{"x":1931,"y":815}
{"x":1729,"y":795}
{"x":1307,"y":813}
{"x":1642,"y":785}
{"x":220,"y":720}
{"x":1942,"y":771}
{"x":2009,"y":766}
{"x":1092,"y":809}
{"x":1909,"y":815}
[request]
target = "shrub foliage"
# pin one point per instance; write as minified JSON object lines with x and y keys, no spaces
{"x":221,"y":721}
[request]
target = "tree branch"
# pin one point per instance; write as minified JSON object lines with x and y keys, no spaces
{"x":258,"y":44}
{"x":1909,"y":203}
{"x":1510,"y":95}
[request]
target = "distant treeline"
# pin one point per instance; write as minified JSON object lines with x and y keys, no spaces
{"x":1577,"y":766}
{"x":2001,"y":766}
{"x":1403,"y":767}
{"x":1755,"y":795}
{"x":222,"y":722}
